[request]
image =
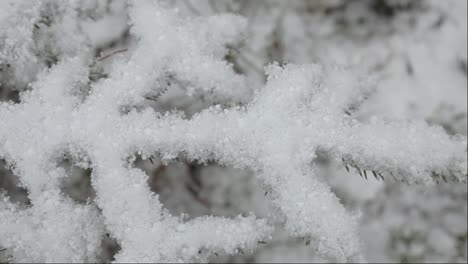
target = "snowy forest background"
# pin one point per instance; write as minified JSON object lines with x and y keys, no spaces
{"x":412,"y":53}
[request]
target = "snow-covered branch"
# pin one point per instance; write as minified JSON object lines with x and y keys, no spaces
{"x":277,"y":132}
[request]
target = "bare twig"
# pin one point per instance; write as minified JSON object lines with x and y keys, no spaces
{"x":112,"y":54}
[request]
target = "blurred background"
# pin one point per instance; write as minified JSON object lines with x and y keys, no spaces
{"x":415,"y":50}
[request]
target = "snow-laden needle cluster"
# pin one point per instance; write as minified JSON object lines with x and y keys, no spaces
{"x":278,"y":133}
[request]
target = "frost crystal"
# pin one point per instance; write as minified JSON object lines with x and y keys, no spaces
{"x":298,"y":116}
